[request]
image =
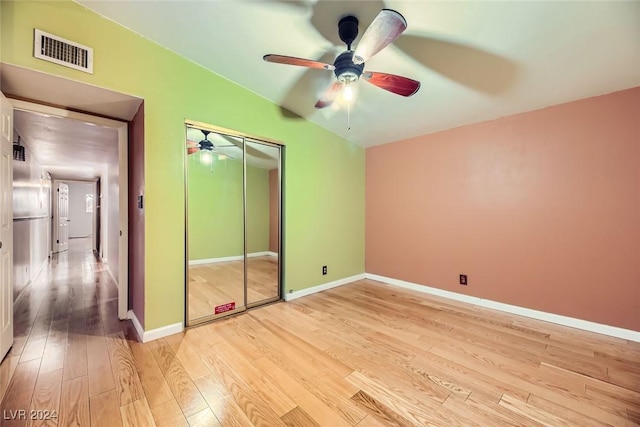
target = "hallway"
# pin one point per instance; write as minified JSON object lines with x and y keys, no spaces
{"x":60,"y":351}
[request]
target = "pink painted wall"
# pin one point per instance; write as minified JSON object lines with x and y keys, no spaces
{"x":136,"y":215}
{"x":273,"y":210}
{"x":540,"y":210}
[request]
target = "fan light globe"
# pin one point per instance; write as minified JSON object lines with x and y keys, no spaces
{"x":206,"y":158}
{"x":347,"y":93}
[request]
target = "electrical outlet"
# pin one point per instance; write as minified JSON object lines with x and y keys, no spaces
{"x":324,"y":270}
{"x":463,"y":279}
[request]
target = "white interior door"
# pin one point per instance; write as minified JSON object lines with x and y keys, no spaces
{"x":61,"y":217}
{"x":6,"y":228}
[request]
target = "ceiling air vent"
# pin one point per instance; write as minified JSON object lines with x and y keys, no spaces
{"x":64,"y":52}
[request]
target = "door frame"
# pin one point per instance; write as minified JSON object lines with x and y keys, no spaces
{"x":123,"y":183}
{"x":95,"y":226}
{"x":6,"y":217}
{"x":97,"y":216}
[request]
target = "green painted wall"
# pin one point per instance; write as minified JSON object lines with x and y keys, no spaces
{"x":324,"y":174}
{"x":216,"y":227}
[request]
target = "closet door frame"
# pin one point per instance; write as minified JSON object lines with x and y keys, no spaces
{"x":244,"y":136}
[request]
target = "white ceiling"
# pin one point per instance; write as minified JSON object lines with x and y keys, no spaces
{"x":67,"y":148}
{"x":476,"y":60}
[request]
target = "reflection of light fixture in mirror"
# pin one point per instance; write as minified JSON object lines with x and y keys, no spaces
{"x":206,"y":158}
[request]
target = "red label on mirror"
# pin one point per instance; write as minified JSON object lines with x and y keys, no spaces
{"x":225,"y":307}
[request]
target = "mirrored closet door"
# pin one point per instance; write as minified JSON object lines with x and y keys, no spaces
{"x":233,"y":223}
{"x":263,"y":222}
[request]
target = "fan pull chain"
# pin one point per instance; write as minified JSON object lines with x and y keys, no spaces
{"x":348,"y":116}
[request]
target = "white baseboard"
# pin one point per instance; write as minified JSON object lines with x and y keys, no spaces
{"x":424,"y":289}
{"x":215,"y":260}
{"x":257,"y":254}
{"x":273,"y":254}
{"x":308,"y":291}
{"x":228,"y":258}
{"x":572,"y":322}
{"x":153,"y":334}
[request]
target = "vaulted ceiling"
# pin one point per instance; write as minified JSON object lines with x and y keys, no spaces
{"x":476,"y":60}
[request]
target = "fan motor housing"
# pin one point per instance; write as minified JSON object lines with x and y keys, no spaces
{"x":205,"y":144}
{"x":346,"y":70}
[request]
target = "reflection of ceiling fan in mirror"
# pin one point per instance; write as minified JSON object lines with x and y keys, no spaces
{"x":232,"y":150}
{"x":206,"y":146}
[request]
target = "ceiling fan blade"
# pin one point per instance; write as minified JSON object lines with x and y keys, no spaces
{"x":290,"y":60}
{"x":329,"y":95}
{"x":397,"y":84}
{"x":192,"y":147}
{"x":384,"y":29}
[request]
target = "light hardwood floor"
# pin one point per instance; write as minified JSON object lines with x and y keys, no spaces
{"x":219,"y":283}
{"x":364,"y":354}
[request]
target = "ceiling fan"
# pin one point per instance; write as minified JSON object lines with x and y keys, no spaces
{"x":206,"y":146}
{"x":349,"y":65}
